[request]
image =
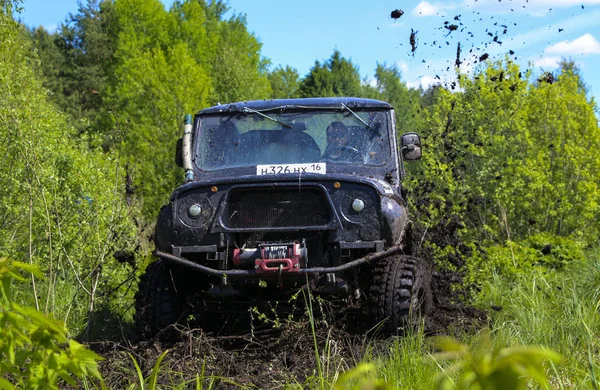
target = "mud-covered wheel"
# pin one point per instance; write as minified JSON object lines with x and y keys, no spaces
{"x":160,"y":299}
{"x":400,"y":293}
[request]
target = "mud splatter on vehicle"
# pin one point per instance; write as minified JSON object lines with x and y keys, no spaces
{"x":282,"y":194}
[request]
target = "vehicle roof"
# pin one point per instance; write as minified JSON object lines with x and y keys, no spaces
{"x":329,"y":102}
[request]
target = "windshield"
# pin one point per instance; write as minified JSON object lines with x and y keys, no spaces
{"x":253,"y":138}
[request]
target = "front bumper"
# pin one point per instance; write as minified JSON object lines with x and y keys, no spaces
{"x":371,"y":257}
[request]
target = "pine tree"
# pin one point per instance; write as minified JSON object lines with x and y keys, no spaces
{"x":336,"y":77}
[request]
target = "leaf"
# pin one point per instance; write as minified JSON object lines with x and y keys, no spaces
{"x":87,"y":359}
{"x":30,"y":268}
{"x":138,"y":370}
{"x":593,"y":378}
{"x":361,"y":369}
{"x":447,"y":344}
{"x":155,"y":370}
{"x":6,"y":385}
{"x":57,"y":328}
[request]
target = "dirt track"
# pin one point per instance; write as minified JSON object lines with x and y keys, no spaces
{"x":264,"y":357}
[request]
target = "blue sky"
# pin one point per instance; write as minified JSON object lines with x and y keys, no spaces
{"x":296,"y":33}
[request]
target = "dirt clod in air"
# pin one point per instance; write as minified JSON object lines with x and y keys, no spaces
{"x":413,"y":41}
{"x":397,"y":14}
{"x":547,"y":77}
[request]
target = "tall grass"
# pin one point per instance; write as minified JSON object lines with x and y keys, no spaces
{"x":406,"y":362}
{"x":557,"y":310}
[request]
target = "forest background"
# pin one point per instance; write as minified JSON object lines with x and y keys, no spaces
{"x":90,"y":115}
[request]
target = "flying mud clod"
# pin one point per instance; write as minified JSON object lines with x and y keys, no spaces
{"x":413,"y":41}
{"x":397,"y":14}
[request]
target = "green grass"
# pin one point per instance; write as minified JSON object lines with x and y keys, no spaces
{"x":556,"y":310}
{"x":406,"y":362}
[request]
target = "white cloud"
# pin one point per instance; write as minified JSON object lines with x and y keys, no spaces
{"x":531,"y":7}
{"x":560,"y":3}
{"x":425,"y":8}
{"x":395,"y":24}
{"x":547,"y":63}
{"x":438,"y":71}
{"x":51,"y":28}
{"x":423,"y":82}
{"x":469,"y":62}
{"x":585,"y":44}
{"x":534,"y":38}
{"x":403,"y":66}
{"x":369,"y":81}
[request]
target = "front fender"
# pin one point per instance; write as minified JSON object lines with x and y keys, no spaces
{"x":395,"y":219}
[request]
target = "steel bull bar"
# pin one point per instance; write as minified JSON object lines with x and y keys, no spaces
{"x":371,"y":257}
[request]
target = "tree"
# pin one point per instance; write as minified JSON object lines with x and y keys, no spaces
{"x":284,"y":82}
{"x":569,"y":66}
{"x":510,"y":158}
{"x":52,"y":63}
{"x":157,"y":81}
{"x":127,"y":71}
{"x":225,"y":48}
{"x":60,"y":208}
{"x":239,"y":72}
{"x":317,"y":83}
{"x":390,"y":88}
{"x":170,"y":63}
{"x":336,"y":77}
{"x":78,"y":62}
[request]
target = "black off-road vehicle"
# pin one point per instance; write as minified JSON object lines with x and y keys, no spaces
{"x":280,"y":194}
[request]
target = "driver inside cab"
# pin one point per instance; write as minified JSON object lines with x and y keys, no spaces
{"x":339,"y":144}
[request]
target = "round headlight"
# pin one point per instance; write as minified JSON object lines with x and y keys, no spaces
{"x":195,"y":210}
{"x":358,"y":205}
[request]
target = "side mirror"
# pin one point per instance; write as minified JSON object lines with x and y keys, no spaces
{"x":411,"y":146}
{"x":179,"y":153}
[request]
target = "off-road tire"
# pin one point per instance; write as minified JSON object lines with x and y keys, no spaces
{"x":400,"y":293}
{"x":160,"y":299}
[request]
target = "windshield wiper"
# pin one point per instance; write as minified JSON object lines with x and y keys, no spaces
{"x":246,"y":110}
{"x":345,"y":107}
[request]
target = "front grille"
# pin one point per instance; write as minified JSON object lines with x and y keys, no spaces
{"x":276,"y":208}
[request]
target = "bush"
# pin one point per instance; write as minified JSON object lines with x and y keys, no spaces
{"x":510,"y":159}
{"x":60,"y":203}
{"x":35,"y":352}
{"x":542,"y":251}
{"x":484,"y":367}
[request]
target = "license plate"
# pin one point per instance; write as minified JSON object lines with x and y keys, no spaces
{"x":279,"y":169}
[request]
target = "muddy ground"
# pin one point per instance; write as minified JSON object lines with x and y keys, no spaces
{"x":267,"y":356}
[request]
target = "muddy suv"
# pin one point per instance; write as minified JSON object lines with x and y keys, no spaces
{"x":281,"y":194}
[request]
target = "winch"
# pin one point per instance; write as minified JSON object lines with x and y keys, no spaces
{"x":272,"y":257}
